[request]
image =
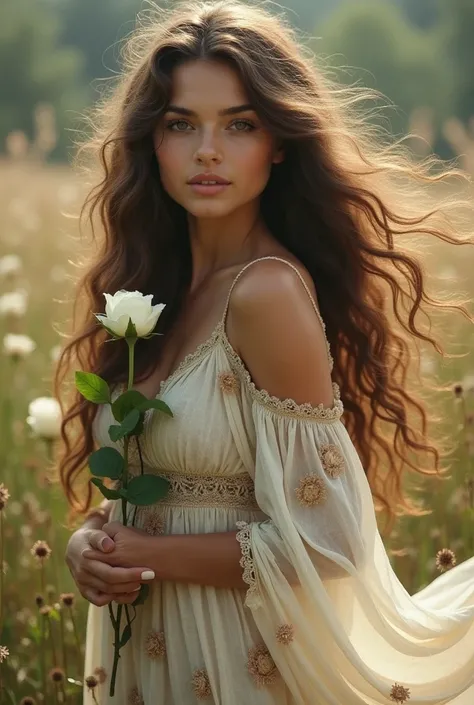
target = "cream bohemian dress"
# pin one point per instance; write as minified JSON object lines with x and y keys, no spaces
{"x":324,"y":620}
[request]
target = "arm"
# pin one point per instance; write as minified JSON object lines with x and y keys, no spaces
{"x":280,"y":339}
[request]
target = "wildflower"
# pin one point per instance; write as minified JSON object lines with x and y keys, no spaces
{"x":41,"y":550}
{"x":39,"y":599}
{"x":399,"y":693}
{"x":57,"y":675}
{"x":4,"y":653}
{"x":10,"y":265}
{"x":67,"y":599}
{"x":18,"y":346}
{"x":91,"y":682}
{"x":44,"y":417}
{"x":13,"y":303}
{"x":445,"y":559}
{"x":27,"y":700}
{"x":4,"y":496}
{"x":458,"y":390}
{"x":46,"y":610}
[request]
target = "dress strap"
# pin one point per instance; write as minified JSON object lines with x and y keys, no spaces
{"x":280,"y":259}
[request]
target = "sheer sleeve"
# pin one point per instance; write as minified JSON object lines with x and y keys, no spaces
{"x":339,"y":625}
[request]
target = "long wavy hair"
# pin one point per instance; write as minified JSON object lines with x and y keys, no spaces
{"x":348,"y":201}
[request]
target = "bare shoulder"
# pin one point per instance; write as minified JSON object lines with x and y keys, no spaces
{"x":279,"y":334}
{"x":267,"y":275}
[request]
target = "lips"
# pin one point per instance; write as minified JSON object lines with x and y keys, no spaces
{"x":210,"y":179}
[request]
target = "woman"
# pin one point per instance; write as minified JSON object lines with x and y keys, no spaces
{"x":242,"y":188}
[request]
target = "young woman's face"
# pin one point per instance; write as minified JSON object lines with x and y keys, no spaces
{"x":210,"y":129}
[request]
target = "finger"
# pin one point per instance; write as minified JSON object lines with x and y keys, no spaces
{"x":97,"y":598}
{"x":100,"y":541}
{"x":114,"y":575}
{"x":91,"y":554}
{"x":90,"y":580}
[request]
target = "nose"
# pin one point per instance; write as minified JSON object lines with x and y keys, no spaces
{"x":207,"y":152}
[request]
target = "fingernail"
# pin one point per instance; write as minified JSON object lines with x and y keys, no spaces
{"x":106,"y":543}
{"x":137,"y":589}
{"x":148,"y":575}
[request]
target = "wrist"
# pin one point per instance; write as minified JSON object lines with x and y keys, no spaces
{"x":96,"y":517}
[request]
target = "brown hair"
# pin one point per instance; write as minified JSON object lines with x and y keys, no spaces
{"x":344,"y":201}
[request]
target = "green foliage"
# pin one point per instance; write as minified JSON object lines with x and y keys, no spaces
{"x":384,"y":52}
{"x":457,"y":23}
{"x":92,"y":387}
{"x":36,"y":69}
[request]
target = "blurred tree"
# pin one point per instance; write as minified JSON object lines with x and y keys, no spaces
{"x":96,"y":28}
{"x":35,"y":70}
{"x":381,"y":50}
{"x":457,"y":29}
{"x":422,"y":13}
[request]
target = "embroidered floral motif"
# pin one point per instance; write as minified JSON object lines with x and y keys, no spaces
{"x":285,"y":634}
{"x":261,"y":666}
{"x":135,"y":697}
{"x":228,"y":382}
{"x":332,"y":459}
{"x":101,"y":674}
{"x":201,"y":684}
{"x":252,"y":598}
{"x":399,"y":693}
{"x":153,"y":523}
{"x":311,"y":491}
{"x":155,"y":644}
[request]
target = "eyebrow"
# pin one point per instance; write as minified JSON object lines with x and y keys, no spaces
{"x":227,"y":111}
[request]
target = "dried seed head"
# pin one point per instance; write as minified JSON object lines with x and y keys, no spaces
{"x":445,"y":559}
{"x":91,"y":682}
{"x":39,"y":599}
{"x":41,"y":550}
{"x":458,"y":390}
{"x":57,"y":675}
{"x":67,"y":599}
{"x":27,"y":700}
{"x":4,"y":652}
{"x":4,"y":496}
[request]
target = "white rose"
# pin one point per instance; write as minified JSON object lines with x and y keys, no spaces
{"x":125,"y":305}
{"x":13,"y":303}
{"x":18,"y":345}
{"x":10,"y":265}
{"x":44,"y":417}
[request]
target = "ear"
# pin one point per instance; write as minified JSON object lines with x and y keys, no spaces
{"x":278,"y":154}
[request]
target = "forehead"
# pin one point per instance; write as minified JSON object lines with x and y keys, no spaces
{"x":209,"y":84}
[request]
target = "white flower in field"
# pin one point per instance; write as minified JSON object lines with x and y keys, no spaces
{"x":44,"y":417}
{"x":468,"y":384}
{"x":55,"y":352}
{"x":10,"y":265}
{"x":18,"y":345}
{"x":125,"y":305}
{"x":14,"y":303}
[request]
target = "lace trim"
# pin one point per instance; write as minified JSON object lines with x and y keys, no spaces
{"x":232,"y":492}
{"x":286,"y":406}
{"x":249,"y":576}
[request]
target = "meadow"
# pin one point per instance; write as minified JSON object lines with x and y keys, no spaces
{"x":43,"y":617}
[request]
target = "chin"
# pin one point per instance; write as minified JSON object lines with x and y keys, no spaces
{"x":209,"y":209}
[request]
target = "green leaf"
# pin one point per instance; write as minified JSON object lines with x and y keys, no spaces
{"x":106,"y":491}
{"x":146,"y":489}
{"x":126,"y":635}
{"x":127,"y":426}
{"x":92,"y":387}
{"x":106,"y":462}
{"x":142,"y":595}
{"x":126,"y":402}
{"x":157,"y":404}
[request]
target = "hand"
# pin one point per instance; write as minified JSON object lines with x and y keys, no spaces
{"x":132,"y":546}
{"x":97,"y":582}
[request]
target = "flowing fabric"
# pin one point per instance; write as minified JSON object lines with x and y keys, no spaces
{"x":324,"y":620}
